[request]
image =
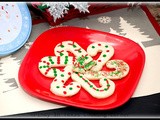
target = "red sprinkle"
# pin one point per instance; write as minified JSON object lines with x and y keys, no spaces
{"x":62,"y":70}
{"x":58,"y":60}
{"x":69,"y":73}
{"x":74,"y":59}
{"x":62,"y":81}
{"x":99,"y":44}
{"x":71,"y":83}
{"x":64,"y":86}
{"x":47,"y":69}
{"x":55,"y":80}
{"x":64,"y":92}
{"x":78,"y":86}
{"x":107,"y":50}
{"x":99,"y":60}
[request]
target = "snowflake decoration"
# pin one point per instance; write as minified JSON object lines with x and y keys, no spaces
{"x":104,"y":19}
{"x":58,"y":9}
{"x":81,"y":6}
{"x":28,"y":45}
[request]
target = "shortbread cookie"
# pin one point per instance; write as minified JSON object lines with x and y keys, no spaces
{"x":107,"y":86}
{"x":47,"y":65}
{"x":82,"y":69}
{"x":58,"y":86}
{"x":121,"y":69}
{"x":106,"y":50}
{"x":63,"y":48}
{"x":80,"y":66}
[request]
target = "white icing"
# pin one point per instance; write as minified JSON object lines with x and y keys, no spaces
{"x":46,"y":60}
{"x":69,"y":47}
{"x":58,"y":86}
{"x":101,"y":93}
{"x":82,"y":69}
{"x":106,"y":50}
{"x":121,"y":69}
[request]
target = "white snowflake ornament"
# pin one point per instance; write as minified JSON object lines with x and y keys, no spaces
{"x":58,"y":9}
{"x":81,"y":6}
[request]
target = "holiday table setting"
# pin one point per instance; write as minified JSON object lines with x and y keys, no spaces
{"x":131,"y":31}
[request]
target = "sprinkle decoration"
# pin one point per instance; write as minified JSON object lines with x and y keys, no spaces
{"x":79,"y":66}
{"x":91,"y":85}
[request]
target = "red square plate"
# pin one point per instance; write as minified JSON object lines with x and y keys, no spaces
{"x":37,"y":85}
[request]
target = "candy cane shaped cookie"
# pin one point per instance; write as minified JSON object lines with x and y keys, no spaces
{"x":121,"y":69}
{"x":106,"y":50}
{"x":48,"y":64}
{"x":58,"y":86}
{"x":63,"y":48}
{"x":107,"y":86}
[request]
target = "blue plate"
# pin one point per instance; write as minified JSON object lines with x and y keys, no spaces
{"x":15,"y":26}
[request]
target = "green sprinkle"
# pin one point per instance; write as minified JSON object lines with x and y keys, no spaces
{"x":55,"y":75}
{"x":62,"y":75}
{"x":86,"y":80}
{"x":89,"y":65}
{"x":108,"y":85}
{"x":79,"y":51}
{"x":52,"y":62}
{"x":54,"y":70}
{"x":105,"y":89}
{"x":97,"y":89}
{"x":57,"y":87}
{"x":93,"y":47}
{"x":80,"y":76}
{"x":106,"y":46}
{"x":74,"y":46}
{"x":40,"y":67}
{"x":105,"y":79}
{"x":44,"y":66}
{"x":61,"y":54}
{"x":81,"y":60}
{"x":114,"y":62}
{"x":104,"y":55}
{"x":70,"y":88}
{"x":111,"y":73}
{"x":65,"y":62}
{"x":91,"y":86}
{"x":117,"y":72}
{"x":62,"y":46}
{"x":86,"y":57}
